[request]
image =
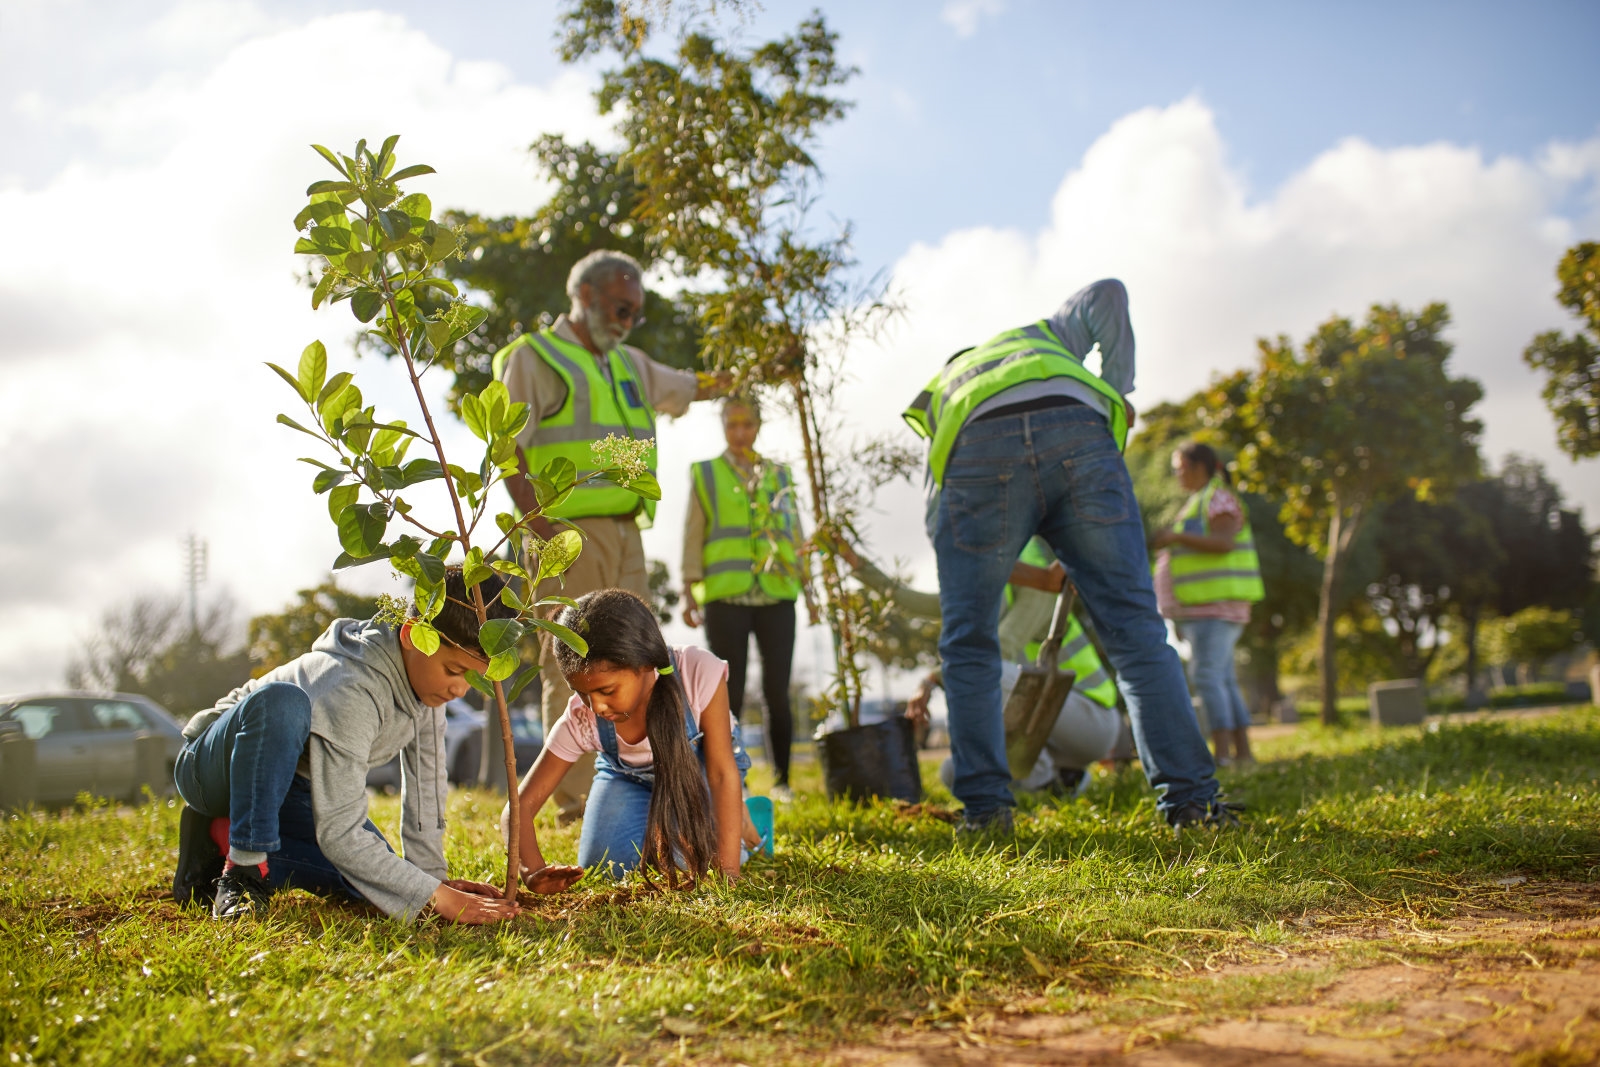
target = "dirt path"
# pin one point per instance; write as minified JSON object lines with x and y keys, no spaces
{"x":1518,"y":982}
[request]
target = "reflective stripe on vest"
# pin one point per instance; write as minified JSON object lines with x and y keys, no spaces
{"x":593,"y":408}
{"x":1029,"y":354}
{"x":747,"y":540}
{"x":1077,"y":651}
{"x":1207,"y":577}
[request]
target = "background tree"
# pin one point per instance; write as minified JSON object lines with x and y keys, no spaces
{"x":1360,"y":416}
{"x":717,"y":140}
{"x":1530,"y":638}
{"x":273,"y":640}
{"x":146,"y":646}
{"x":1572,"y":364}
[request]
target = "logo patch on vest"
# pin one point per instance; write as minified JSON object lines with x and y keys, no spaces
{"x":630,"y":392}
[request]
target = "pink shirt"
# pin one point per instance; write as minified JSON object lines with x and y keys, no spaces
{"x":574,"y":733}
{"x":1223,"y":505}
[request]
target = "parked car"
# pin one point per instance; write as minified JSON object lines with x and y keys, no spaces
{"x":110,"y":745}
{"x":463,"y":746}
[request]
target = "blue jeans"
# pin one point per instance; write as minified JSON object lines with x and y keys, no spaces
{"x":1056,"y":473}
{"x":1211,"y":669}
{"x":243,"y":769}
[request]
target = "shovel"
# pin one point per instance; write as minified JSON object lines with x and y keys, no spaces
{"x":1035,"y":702}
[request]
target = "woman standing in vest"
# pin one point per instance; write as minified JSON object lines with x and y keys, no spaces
{"x":741,"y":571}
{"x":1206,"y":578}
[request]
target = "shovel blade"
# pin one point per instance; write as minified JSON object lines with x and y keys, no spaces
{"x":1030,"y":714}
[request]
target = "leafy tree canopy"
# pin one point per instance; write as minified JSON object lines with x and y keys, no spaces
{"x":1572,"y":364}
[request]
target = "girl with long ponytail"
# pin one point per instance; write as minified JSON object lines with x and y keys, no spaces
{"x":667,"y":793}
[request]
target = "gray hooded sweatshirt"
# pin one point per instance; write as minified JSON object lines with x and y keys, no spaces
{"x":363,"y":714}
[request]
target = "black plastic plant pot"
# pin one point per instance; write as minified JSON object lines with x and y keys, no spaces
{"x":875,"y":760}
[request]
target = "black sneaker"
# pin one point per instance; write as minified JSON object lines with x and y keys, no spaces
{"x":241,"y":892}
{"x":199,"y":860}
{"x":1218,"y":814}
{"x":998,"y":823}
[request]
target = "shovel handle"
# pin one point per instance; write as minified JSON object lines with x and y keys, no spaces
{"x":1051,"y":647}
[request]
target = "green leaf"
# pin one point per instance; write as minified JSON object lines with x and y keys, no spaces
{"x":361,"y":528}
{"x":509,"y":597}
{"x":473,"y":570}
{"x":480,"y":683}
{"x":503,"y":665}
{"x":564,"y":601}
{"x":505,"y":520}
{"x":304,"y":246}
{"x":418,"y":207}
{"x":332,"y":240}
{"x":430,"y":598}
{"x":331,"y":158}
{"x":340,"y":404}
{"x":498,"y":635}
{"x":293,"y":382}
{"x":558,"y":553}
{"x":326,"y":208}
{"x":562,"y":634}
{"x":416,"y":170}
{"x":342,"y":497}
{"x":346,"y":560}
{"x":512,"y":567}
{"x":444,"y":285}
{"x":287,"y":421}
{"x":420,"y":470}
{"x":336,"y":383}
{"x":324,"y":287}
{"x":496,"y":403}
{"x":386,"y":154}
{"x":404,"y":547}
{"x":560,"y":473}
{"x":366,"y":304}
{"x":424,"y":638}
{"x":521,"y":683}
{"x":432,"y":566}
{"x":646,"y":486}
{"x":515,"y":420}
{"x":474,"y":415}
{"x":441,"y":546}
{"x":313,"y":369}
{"x":326,"y":480}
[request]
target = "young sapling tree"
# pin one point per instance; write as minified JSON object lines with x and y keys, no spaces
{"x":380,"y":250}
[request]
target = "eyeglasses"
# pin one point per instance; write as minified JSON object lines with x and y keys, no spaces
{"x":625,"y":315}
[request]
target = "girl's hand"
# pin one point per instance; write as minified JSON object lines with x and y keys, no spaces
{"x":472,"y":909}
{"x":551,"y":878}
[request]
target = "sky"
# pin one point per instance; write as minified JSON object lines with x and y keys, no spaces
{"x":1247,"y":169}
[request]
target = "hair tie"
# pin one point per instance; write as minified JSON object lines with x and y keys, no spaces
{"x":664,"y":670}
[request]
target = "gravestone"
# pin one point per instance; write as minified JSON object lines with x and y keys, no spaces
{"x":1399,"y":703}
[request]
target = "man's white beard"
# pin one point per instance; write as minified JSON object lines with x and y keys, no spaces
{"x":604,"y":335}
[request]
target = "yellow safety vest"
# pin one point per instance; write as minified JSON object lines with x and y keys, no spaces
{"x":1207,"y":577}
{"x":1029,"y":354}
{"x":1077,"y":651}
{"x":594,"y":407}
{"x":751,"y":531}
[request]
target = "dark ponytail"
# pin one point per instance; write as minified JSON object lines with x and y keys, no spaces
{"x":622,"y":632}
{"x":1205,"y":456}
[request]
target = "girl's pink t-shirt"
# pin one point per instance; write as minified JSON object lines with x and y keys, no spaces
{"x":574,"y":733}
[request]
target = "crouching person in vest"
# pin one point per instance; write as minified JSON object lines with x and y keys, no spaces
{"x":1025,"y":439}
{"x":581,"y":383}
{"x":275,"y":775}
{"x":741,"y":571}
{"x":1206,"y":578}
{"x":1086,"y":729}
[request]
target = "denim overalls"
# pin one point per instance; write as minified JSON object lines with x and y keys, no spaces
{"x":619,"y":799}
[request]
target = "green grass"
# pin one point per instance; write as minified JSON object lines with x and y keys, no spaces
{"x":867,"y":916}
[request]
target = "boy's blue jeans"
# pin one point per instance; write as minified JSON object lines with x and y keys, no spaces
{"x":1057,"y":473}
{"x":1211,"y":668}
{"x":243,"y":768}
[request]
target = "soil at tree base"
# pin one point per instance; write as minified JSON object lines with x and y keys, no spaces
{"x":1517,"y":983}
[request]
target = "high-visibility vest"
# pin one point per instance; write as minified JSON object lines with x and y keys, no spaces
{"x":1207,"y":577}
{"x":1077,"y":651}
{"x":594,"y":407}
{"x":1029,"y":354}
{"x":751,"y":531}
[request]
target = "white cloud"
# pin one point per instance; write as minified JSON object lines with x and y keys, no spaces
{"x":1211,"y":267}
{"x":963,"y":16}
{"x":136,"y":405}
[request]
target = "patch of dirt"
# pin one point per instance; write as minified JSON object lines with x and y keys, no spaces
{"x":1518,"y":982}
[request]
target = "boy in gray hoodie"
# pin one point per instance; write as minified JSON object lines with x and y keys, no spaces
{"x":275,"y":774}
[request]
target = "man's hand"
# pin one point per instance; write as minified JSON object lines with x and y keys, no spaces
{"x":1057,"y":575}
{"x":472,"y":908}
{"x":917,"y":706}
{"x":713,"y":385}
{"x":1132,"y":414}
{"x":1163,"y":538}
{"x":551,"y":878}
{"x":692,"y":615}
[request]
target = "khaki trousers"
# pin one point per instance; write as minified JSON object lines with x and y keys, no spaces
{"x":612,"y":558}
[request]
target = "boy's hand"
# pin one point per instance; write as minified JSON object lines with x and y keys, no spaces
{"x":471,"y":908}
{"x":482,"y":889}
{"x":551,"y":878}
